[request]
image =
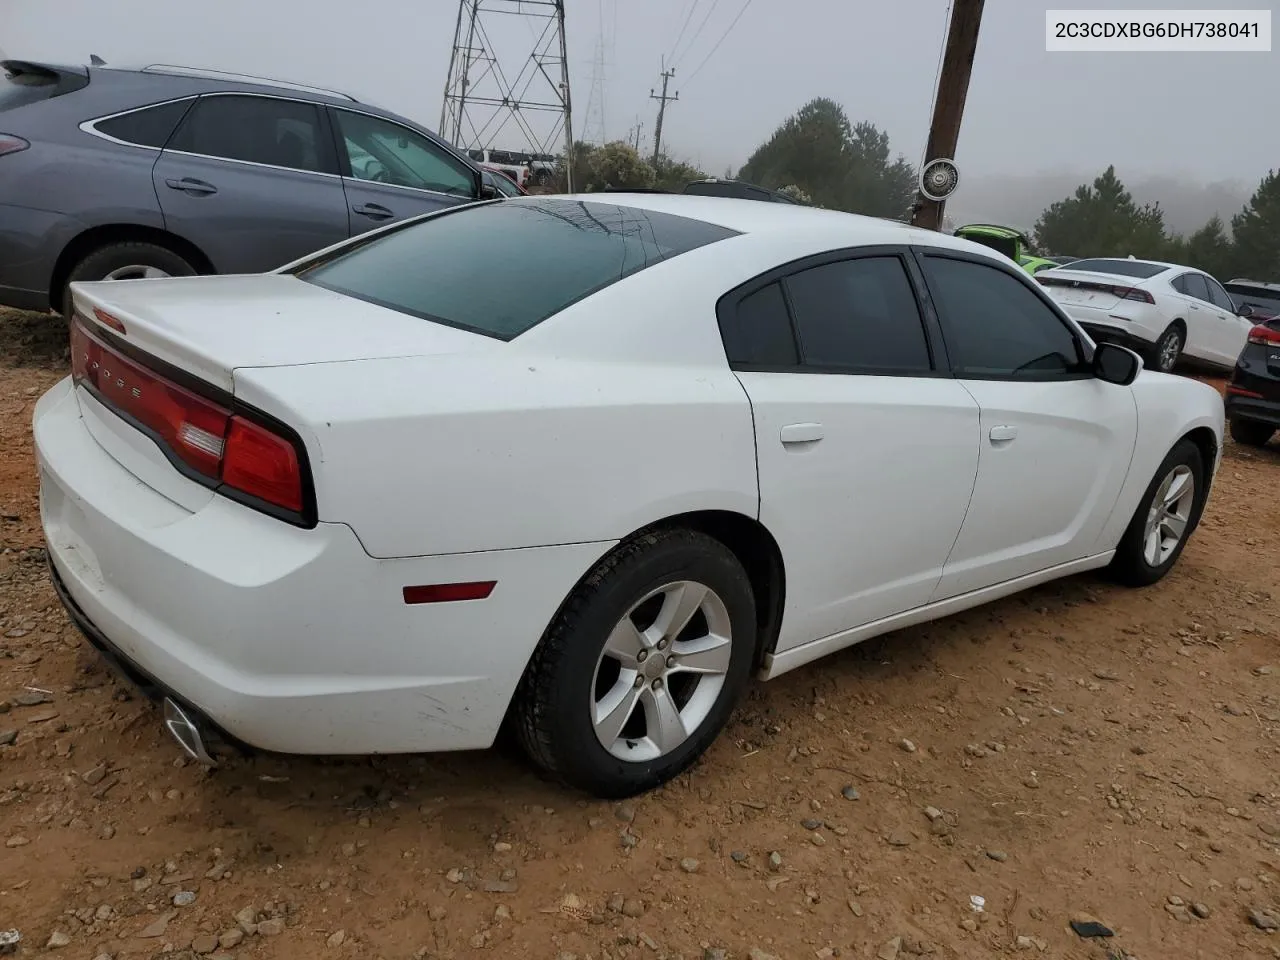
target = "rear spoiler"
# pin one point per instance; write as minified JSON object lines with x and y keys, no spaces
{"x":75,"y":77}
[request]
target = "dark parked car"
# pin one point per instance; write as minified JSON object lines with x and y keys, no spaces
{"x":719,"y":187}
{"x":110,"y":174}
{"x":1262,"y":299}
{"x":1253,"y":392}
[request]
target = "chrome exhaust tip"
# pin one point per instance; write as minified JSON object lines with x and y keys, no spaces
{"x":183,"y":729}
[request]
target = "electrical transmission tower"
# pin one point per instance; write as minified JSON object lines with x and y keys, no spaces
{"x":593,"y":129}
{"x":482,"y":100}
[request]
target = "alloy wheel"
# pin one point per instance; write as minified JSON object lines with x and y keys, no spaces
{"x":661,"y":671}
{"x":1169,"y":515}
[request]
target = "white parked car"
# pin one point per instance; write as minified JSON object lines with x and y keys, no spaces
{"x":384,"y":498}
{"x":1161,"y":310}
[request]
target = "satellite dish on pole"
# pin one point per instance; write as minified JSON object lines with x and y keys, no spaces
{"x":939,"y":179}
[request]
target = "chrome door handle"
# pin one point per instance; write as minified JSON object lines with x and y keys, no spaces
{"x":801,"y":433}
{"x":1003,"y":433}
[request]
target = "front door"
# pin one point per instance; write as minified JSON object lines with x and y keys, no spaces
{"x":391,"y":172}
{"x":1055,"y":442}
{"x":866,"y":456}
{"x":252,"y":181}
{"x":1233,"y":328}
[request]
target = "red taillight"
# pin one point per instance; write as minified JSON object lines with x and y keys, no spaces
{"x":1133,"y":293}
{"x":11,"y":144}
{"x":263,"y":465}
{"x":1264,"y":335}
{"x":206,"y":439}
{"x":1242,"y":392}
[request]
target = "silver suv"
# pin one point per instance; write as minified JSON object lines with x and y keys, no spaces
{"x":169,"y":171}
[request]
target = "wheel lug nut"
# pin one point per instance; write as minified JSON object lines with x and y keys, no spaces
{"x":662,"y":644}
{"x":671,"y":661}
{"x":639,"y":682}
{"x":657,"y":684}
{"x":642,"y":656}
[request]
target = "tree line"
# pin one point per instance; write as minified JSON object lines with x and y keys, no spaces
{"x":822,"y":158}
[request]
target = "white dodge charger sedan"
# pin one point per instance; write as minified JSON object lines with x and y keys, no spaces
{"x":388,"y":497}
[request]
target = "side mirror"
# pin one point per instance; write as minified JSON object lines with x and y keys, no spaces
{"x":1116,"y":364}
{"x":488,"y":191}
{"x":1244,"y":310}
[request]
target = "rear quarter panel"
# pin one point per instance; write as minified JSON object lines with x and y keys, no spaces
{"x":1169,"y":408}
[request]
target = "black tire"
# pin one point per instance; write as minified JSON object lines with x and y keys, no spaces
{"x":114,"y":256}
{"x":551,"y":712}
{"x":1129,"y":565}
{"x":1251,"y":433}
{"x":1170,"y":344}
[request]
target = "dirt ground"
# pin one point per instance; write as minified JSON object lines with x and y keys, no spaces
{"x":1078,"y":750}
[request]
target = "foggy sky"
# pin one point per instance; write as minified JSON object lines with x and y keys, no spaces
{"x":1190,"y":117}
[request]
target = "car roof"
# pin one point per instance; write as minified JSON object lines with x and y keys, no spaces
{"x":754,"y":217}
{"x":1261,"y":284}
{"x":208,"y":80}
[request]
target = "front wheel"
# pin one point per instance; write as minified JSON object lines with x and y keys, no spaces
{"x":641,"y":668}
{"x":1251,"y":433}
{"x":1166,"y":516}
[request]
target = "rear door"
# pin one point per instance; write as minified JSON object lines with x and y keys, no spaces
{"x":866,"y":453}
{"x":391,"y":172}
{"x":252,"y":181}
{"x":1055,"y":441}
{"x":1202,"y":317}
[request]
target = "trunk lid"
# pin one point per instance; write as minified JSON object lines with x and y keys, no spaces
{"x":1095,"y":290}
{"x":211,"y":326}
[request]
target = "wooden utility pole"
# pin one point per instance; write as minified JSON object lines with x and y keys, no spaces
{"x":662,"y":109}
{"x":953,"y":86}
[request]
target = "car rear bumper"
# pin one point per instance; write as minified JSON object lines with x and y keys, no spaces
{"x":1252,"y":408}
{"x":288,"y":640}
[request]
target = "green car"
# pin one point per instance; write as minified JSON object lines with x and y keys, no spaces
{"x":1014,"y":244}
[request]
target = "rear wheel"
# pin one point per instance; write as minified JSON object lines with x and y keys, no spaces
{"x":1251,"y":433}
{"x":642,"y":666}
{"x":126,"y":261}
{"x":1165,"y":518}
{"x":1168,"y":349}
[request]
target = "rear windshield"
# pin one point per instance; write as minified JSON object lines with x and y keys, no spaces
{"x":553,"y":252}
{"x":1121,"y":268}
{"x":20,"y":86}
{"x":1260,"y":298}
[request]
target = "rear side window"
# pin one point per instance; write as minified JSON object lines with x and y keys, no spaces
{"x":149,"y":127}
{"x":996,"y":327}
{"x":758,"y":333}
{"x":859,"y":315}
{"x":1124,"y":268}
{"x":554,"y":252}
{"x":266,"y":130}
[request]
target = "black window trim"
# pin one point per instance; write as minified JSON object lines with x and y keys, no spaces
{"x":1082,"y":342}
{"x":91,"y":126}
{"x":727,"y":309}
{"x":344,"y":160}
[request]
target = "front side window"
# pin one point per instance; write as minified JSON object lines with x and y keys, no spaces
{"x":859,"y":315}
{"x":554,"y":252}
{"x":265,"y":130}
{"x":400,"y":156}
{"x":996,"y":326}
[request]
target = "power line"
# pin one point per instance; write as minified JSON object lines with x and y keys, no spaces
{"x":937,"y":73}
{"x":687,"y":20}
{"x":724,"y":36}
{"x":697,"y":33}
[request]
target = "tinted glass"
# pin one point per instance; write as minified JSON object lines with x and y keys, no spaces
{"x":1260,"y":298}
{"x":502,"y":184}
{"x":759,"y":332}
{"x":860,"y":314}
{"x":279,"y":133}
{"x":1193,"y":285}
{"x":1123,"y":268}
{"x":1218,"y":297}
{"x":150,"y":127}
{"x":553,"y":251}
{"x":401,"y":156}
{"x":995,"y":325}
